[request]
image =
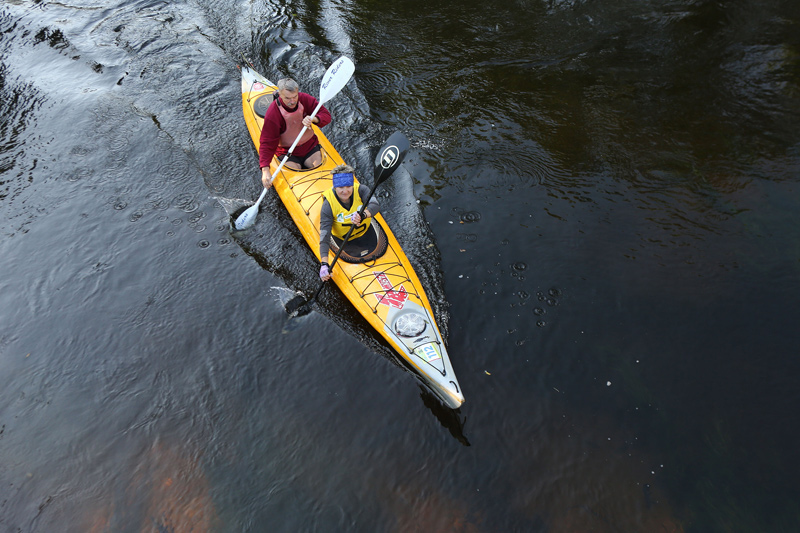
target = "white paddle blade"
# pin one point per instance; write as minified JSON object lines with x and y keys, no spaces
{"x":246,"y":219}
{"x":336,"y":77}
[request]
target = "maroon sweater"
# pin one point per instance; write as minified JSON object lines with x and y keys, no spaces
{"x":274,"y":125}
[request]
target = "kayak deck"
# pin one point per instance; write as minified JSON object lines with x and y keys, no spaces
{"x":385,"y":290}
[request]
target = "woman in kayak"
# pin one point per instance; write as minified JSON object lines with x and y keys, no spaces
{"x":340,"y":206}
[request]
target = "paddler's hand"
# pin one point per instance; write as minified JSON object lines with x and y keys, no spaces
{"x":308,"y":121}
{"x":356,"y":219}
{"x":324,"y":272}
{"x":266,"y":178}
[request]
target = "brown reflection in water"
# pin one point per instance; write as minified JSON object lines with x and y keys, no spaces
{"x":168,"y":492}
{"x":579,"y":481}
{"x":435,"y":512}
{"x":561,"y":479}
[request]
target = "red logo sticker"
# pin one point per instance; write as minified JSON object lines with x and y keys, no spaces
{"x":257,"y":86}
{"x":394,"y":298}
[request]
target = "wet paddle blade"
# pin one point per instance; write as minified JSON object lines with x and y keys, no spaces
{"x":247,"y":218}
{"x":298,"y":306}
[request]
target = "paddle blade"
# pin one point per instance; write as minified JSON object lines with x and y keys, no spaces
{"x":336,"y":77}
{"x":298,"y":306}
{"x":247,"y":218}
{"x":390,"y":156}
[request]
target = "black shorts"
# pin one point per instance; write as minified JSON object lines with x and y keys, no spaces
{"x":301,"y":160}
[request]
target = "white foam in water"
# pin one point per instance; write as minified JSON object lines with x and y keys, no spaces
{"x":284,"y":294}
{"x":232,"y":204}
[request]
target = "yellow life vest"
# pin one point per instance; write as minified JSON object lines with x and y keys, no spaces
{"x":341,"y":216}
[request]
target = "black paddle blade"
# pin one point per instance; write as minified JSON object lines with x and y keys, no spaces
{"x":390,"y":156}
{"x":298,"y":306}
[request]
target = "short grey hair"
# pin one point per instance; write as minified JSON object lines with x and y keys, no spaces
{"x":338,"y":169}
{"x":288,"y":84}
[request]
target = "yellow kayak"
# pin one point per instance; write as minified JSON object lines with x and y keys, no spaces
{"x":384,"y":289}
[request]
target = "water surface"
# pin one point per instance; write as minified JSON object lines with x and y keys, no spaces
{"x":600,"y":199}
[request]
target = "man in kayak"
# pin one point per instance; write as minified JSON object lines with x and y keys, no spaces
{"x":340,"y":206}
{"x":283,"y":122}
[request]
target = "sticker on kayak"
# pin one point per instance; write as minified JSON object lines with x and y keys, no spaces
{"x":429,"y":353}
{"x":258,"y":86}
{"x":392,"y":298}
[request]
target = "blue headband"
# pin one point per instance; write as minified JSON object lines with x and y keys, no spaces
{"x":343,"y":179}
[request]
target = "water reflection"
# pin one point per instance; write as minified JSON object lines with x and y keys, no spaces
{"x":452,"y":419}
{"x":168,"y":491}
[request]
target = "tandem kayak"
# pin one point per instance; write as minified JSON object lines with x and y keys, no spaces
{"x":384,"y":289}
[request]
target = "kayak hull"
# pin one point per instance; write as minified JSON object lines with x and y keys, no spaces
{"x":386,"y":291}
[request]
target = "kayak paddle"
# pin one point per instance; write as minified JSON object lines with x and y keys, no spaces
{"x":336,"y":77}
{"x":386,"y":162}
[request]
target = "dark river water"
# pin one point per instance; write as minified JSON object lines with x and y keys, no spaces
{"x":601,"y":199}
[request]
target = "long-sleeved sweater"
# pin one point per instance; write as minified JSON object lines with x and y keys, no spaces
{"x":274,"y":125}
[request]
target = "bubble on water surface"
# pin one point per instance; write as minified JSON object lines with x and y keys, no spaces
{"x":79,"y":174}
{"x":118,"y":146}
{"x":155,"y":202}
{"x":185,"y":202}
{"x":196,"y":217}
{"x":80,"y":151}
{"x":469,"y":217}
